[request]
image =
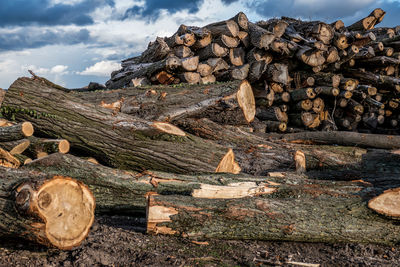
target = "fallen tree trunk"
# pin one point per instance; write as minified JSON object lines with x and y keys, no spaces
{"x":51,"y":210}
{"x":172,"y":103}
{"x":344,"y":139}
{"x":124,"y":141}
{"x":315,"y":212}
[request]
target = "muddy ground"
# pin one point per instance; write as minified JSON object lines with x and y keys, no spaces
{"x":121,"y":241}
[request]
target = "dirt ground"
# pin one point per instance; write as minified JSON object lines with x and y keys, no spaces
{"x":121,"y":241}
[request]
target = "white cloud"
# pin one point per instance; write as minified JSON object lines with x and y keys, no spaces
{"x":102,"y":68}
{"x":59,"y":69}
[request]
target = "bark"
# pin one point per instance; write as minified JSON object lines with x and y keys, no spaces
{"x":228,"y":27}
{"x":169,"y":64}
{"x":316,"y":212}
{"x":16,"y":147}
{"x":212,"y":50}
{"x":347,"y":139}
{"x":28,"y":210}
{"x":156,"y":51}
{"x":183,"y":51}
{"x":15,"y":132}
{"x":242,"y":21}
{"x":227,"y":41}
{"x":189,"y":77}
{"x":237,"y":56}
{"x":375,"y":79}
{"x":260,"y":37}
{"x":146,"y":144}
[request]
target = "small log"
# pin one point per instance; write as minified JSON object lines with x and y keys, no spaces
{"x":204,"y":69}
{"x":278,"y":72}
{"x":217,"y":64}
{"x":169,"y":64}
{"x":311,"y":57}
{"x":143,"y":81}
{"x":347,"y":139}
{"x":302,"y":94}
{"x":190,"y":77}
{"x":375,"y":79}
{"x":282,"y":98}
{"x":23,"y":159}
{"x":208,"y":79}
{"x":228,"y":27}
{"x":240,"y":73}
{"x":212,"y":50}
{"x":304,"y":105}
{"x":260,"y":37}
{"x":318,"y":105}
{"x":189,"y":64}
{"x":370,"y":90}
{"x":16,"y":132}
{"x":348,"y":84}
{"x":271,"y":114}
{"x":7,"y":160}
{"x":276,"y":126}
{"x":237,"y":56}
{"x":16,"y":147}
{"x":182,"y":51}
{"x":257,"y":69}
{"x":257,"y":54}
{"x":55,"y":211}
{"x":156,"y":51}
{"x":242,"y":21}
{"x":327,"y":90}
{"x":162,"y":77}
{"x":368,"y":22}
{"x":227,"y":41}
{"x":244,"y":38}
{"x":40,"y":147}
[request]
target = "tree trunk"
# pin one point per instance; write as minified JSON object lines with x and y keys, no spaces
{"x":51,"y":210}
{"x":124,"y":141}
{"x":16,"y":147}
{"x":260,"y":37}
{"x":318,"y":211}
{"x":228,"y":27}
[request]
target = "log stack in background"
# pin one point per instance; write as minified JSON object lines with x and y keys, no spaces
{"x":304,"y":74}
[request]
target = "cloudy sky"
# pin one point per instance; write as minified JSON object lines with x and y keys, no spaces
{"x":73,"y":42}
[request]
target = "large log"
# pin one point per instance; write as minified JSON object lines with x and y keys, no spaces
{"x":171,"y":103}
{"x":123,"y":141}
{"x":227,"y":27}
{"x":300,"y":210}
{"x":52,"y":210}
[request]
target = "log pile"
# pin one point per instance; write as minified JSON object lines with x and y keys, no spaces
{"x":194,"y":156}
{"x":304,"y":74}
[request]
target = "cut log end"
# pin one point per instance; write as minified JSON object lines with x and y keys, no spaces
{"x":246,"y":100}
{"x":64,"y":146}
{"x":27,"y":129}
{"x":228,"y":164}
{"x":168,"y":128}
{"x":300,"y":160}
{"x":388,"y":203}
{"x":66,"y":208}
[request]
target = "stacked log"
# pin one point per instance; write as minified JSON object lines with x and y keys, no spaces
{"x":322,"y":76}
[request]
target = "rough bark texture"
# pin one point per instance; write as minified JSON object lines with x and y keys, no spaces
{"x":27,"y":208}
{"x":308,"y":211}
{"x":15,"y":132}
{"x":146,"y":145}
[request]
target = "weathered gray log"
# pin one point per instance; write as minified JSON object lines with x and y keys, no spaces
{"x":316,"y":212}
{"x":156,"y":51}
{"x":146,"y":144}
{"x":260,"y":37}
{"x":169,"y":64}
{"x":347,"y":139}
{"x":52,"y":210}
